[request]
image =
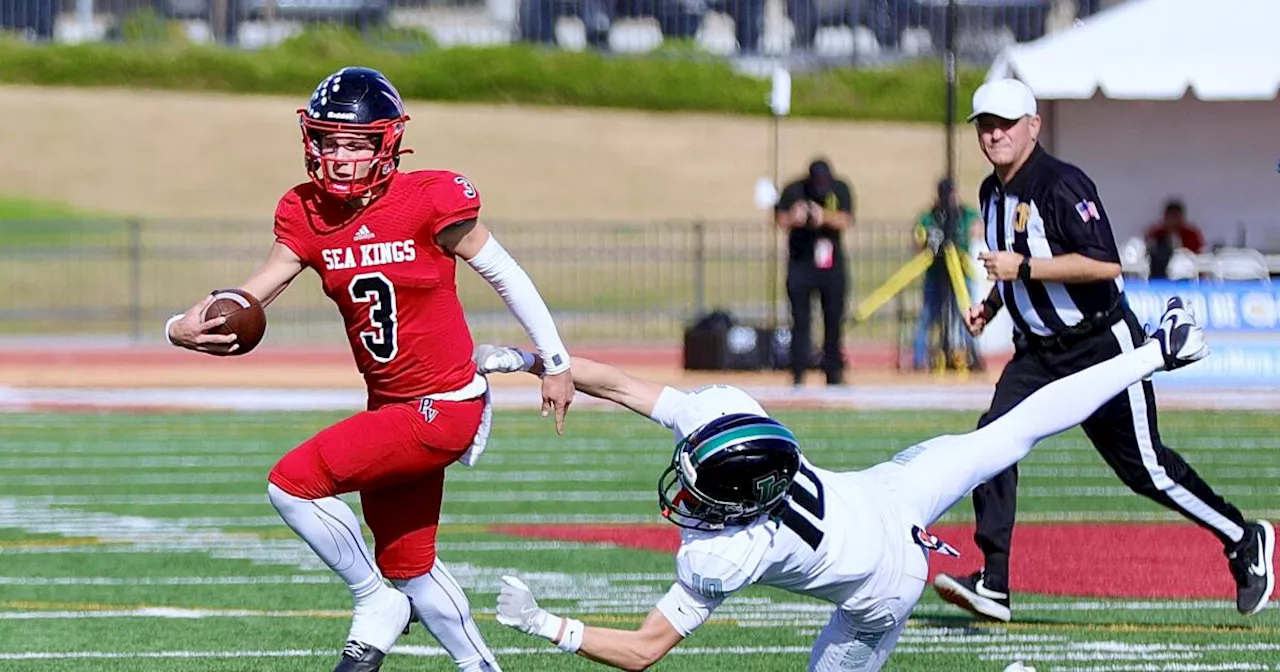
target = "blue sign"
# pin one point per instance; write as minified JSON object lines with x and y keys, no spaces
{"x":1233,"y":363}
{"x":1243,"y":307}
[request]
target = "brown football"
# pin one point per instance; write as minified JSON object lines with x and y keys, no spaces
{"x":245,"y":318}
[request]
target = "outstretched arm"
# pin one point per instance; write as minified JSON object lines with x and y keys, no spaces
{"x":597,"y":379}
{"x":473,"y":242}
{"x":630,"y":649}
{"x":624,"y":649}
{"x":608,"y":382}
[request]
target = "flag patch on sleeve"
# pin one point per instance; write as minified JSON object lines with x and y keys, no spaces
{"x":1088,"y":210}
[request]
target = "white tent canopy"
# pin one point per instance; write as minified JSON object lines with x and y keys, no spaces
{"x":1164,"y":98}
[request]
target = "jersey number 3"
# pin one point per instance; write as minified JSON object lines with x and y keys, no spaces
{"x":377,"y":291}
{"x":467,"y":189}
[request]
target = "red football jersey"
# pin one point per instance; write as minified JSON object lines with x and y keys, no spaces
{"x":394,"y":286}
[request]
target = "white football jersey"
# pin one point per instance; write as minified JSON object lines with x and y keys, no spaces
{"x":836,"y":540}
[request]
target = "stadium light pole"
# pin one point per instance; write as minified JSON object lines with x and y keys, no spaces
{"x":949,"y":68}
{"x":780,"y":106}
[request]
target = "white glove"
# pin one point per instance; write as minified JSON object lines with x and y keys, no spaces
{"x":518,"y":609}
{"x":500,"y":359}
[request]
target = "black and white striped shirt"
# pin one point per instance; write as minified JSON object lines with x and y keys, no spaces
{"x":1050,"y":208}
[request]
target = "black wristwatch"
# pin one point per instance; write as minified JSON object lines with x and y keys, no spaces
{"x":990,"y":308}
{"x":1024,"y":269}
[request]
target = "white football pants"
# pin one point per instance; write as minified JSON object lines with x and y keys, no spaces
{"x":443,"y":608}
{"x":929,"y":478}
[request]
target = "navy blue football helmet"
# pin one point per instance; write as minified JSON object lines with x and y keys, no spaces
{"x":729,"y":472}
{"x":360,"y":101}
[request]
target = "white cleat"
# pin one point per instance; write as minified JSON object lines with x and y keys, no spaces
{"x":1181,"y":338}
{"x":498,"y":359}
{"x":379,"y":621}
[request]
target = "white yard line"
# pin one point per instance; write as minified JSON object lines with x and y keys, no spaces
{"x":1172,"y":657}
{"x":557,"y":495}
{"x":131,"y":476}
{"x":445,"y":548}
{"x":203,"y":524}
{"x":754,"y":612}
{"x":157,"y":478}
{"x":161,"y":535}
{"x":1164,"y":667}
{"x":417,"y":651}
{"x":294,"y":579}
{"x":254,"y":522}
{"x":589,"y":593}
{"x":277,"y":579}
{"x":224,"y":469}
{"x":523,"y":452}
{"x":1095,"y":605}
{"x":971,"y":397}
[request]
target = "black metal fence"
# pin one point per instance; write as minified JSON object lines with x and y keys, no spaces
{"x":843,"y":30}
{"x":605,"y":282}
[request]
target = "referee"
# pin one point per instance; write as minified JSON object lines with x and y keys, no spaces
{"x":1054,"y":262}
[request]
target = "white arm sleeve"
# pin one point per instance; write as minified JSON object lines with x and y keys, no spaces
{"x":686,"y":610}
{"x":510,"y":281}
{"x":664,"y":409}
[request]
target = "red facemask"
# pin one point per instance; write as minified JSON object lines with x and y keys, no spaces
{"x":387,"y":135}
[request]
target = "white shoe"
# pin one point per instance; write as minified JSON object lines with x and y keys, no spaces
{"x":380,"y":619}
{"x":1181,"y":338}
{"x":1017,"y":666}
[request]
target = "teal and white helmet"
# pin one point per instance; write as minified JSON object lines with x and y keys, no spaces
{"x":732,"y":462}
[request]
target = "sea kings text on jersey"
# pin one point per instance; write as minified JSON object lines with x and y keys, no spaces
{"x":369,"y":254}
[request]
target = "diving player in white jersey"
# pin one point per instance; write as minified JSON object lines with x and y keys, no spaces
{"x":755,"y":511}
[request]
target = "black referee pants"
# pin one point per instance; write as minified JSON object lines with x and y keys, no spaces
{"x":1123,"y":431}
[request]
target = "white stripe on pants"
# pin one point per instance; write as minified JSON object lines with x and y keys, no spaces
{"x":443,"y":608}
{"x":1185,"y":499}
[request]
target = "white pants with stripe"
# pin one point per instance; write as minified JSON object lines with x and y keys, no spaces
{"x":926,"y":480}
{"x":438,"y":601}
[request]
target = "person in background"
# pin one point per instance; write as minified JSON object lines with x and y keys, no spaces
{"x":1170,"y":233}
{"x":814,"y":211}
{"x":929,"y":233}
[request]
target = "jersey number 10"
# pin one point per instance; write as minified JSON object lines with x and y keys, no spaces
{"x":377,"y":291}
{"x":813,"y":502}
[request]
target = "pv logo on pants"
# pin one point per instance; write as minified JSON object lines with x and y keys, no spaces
{"x":428,"y":410}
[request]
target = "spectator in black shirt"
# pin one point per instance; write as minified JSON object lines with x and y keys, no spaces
{"x":814,"y":210}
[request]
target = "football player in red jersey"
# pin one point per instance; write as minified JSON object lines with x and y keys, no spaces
{"x":385,"y":244}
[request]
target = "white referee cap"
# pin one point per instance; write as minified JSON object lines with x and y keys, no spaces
{"x":710,"y":402}
{"x":1004,"y":98}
